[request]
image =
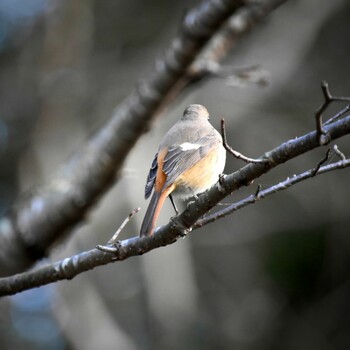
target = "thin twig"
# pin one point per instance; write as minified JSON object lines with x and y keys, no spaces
{"x":318,"y":115}
{"x":113,"y":240}
{"x":324,"y":160}
{"x":338,"y":115}
{"x":339,"y":153}
{"x":232,"y":151}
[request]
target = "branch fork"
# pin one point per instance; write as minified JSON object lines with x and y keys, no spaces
{"x":323,"y":138}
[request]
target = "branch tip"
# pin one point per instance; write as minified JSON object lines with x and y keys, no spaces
{"x":325,"y":89}
{"x":339,"y":153}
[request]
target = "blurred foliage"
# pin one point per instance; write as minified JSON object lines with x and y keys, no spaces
{"x":296,"y":262}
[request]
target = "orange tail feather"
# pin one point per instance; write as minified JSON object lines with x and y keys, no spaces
{"x":153,"y":211}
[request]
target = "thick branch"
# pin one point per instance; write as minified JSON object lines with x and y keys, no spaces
{"x":43,"y":216}
{"x":180,"y":225}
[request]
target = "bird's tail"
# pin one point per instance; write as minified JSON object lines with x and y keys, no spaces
{"x":149,"y":221}
{"x":153,"y":210}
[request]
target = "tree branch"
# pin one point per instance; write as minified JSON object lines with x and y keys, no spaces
{"x":190,"y":218}
{"x":261,"y":194}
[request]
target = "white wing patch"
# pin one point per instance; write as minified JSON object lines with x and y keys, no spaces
{"x":187,"y":146}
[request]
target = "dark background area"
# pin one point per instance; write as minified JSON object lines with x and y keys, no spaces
{"x":274,"y":275}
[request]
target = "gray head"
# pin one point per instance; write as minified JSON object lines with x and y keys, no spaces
{"x":195,"y":111}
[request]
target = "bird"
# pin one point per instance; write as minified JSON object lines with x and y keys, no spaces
{"x":190,"y":159}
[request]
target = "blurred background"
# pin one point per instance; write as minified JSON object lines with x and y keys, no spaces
{"x":274,"y":275}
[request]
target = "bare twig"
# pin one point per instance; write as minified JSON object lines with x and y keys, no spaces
{"x":328,"y":99}
{"x":337,"y":151}
{"x":338,"y":115}
{"x":232,"y":151}
{"x":324,"y":160}
{"x":113,"y":240}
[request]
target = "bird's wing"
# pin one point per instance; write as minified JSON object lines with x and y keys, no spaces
{"x":151,"y":177}
{"x":184,"y":156}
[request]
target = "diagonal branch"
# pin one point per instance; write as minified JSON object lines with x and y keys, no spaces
{"x":180,"y":225}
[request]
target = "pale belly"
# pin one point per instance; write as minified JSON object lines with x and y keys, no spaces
{"x":201,"y":176}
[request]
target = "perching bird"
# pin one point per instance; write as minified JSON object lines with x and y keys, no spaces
{"x":189,"y":161}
